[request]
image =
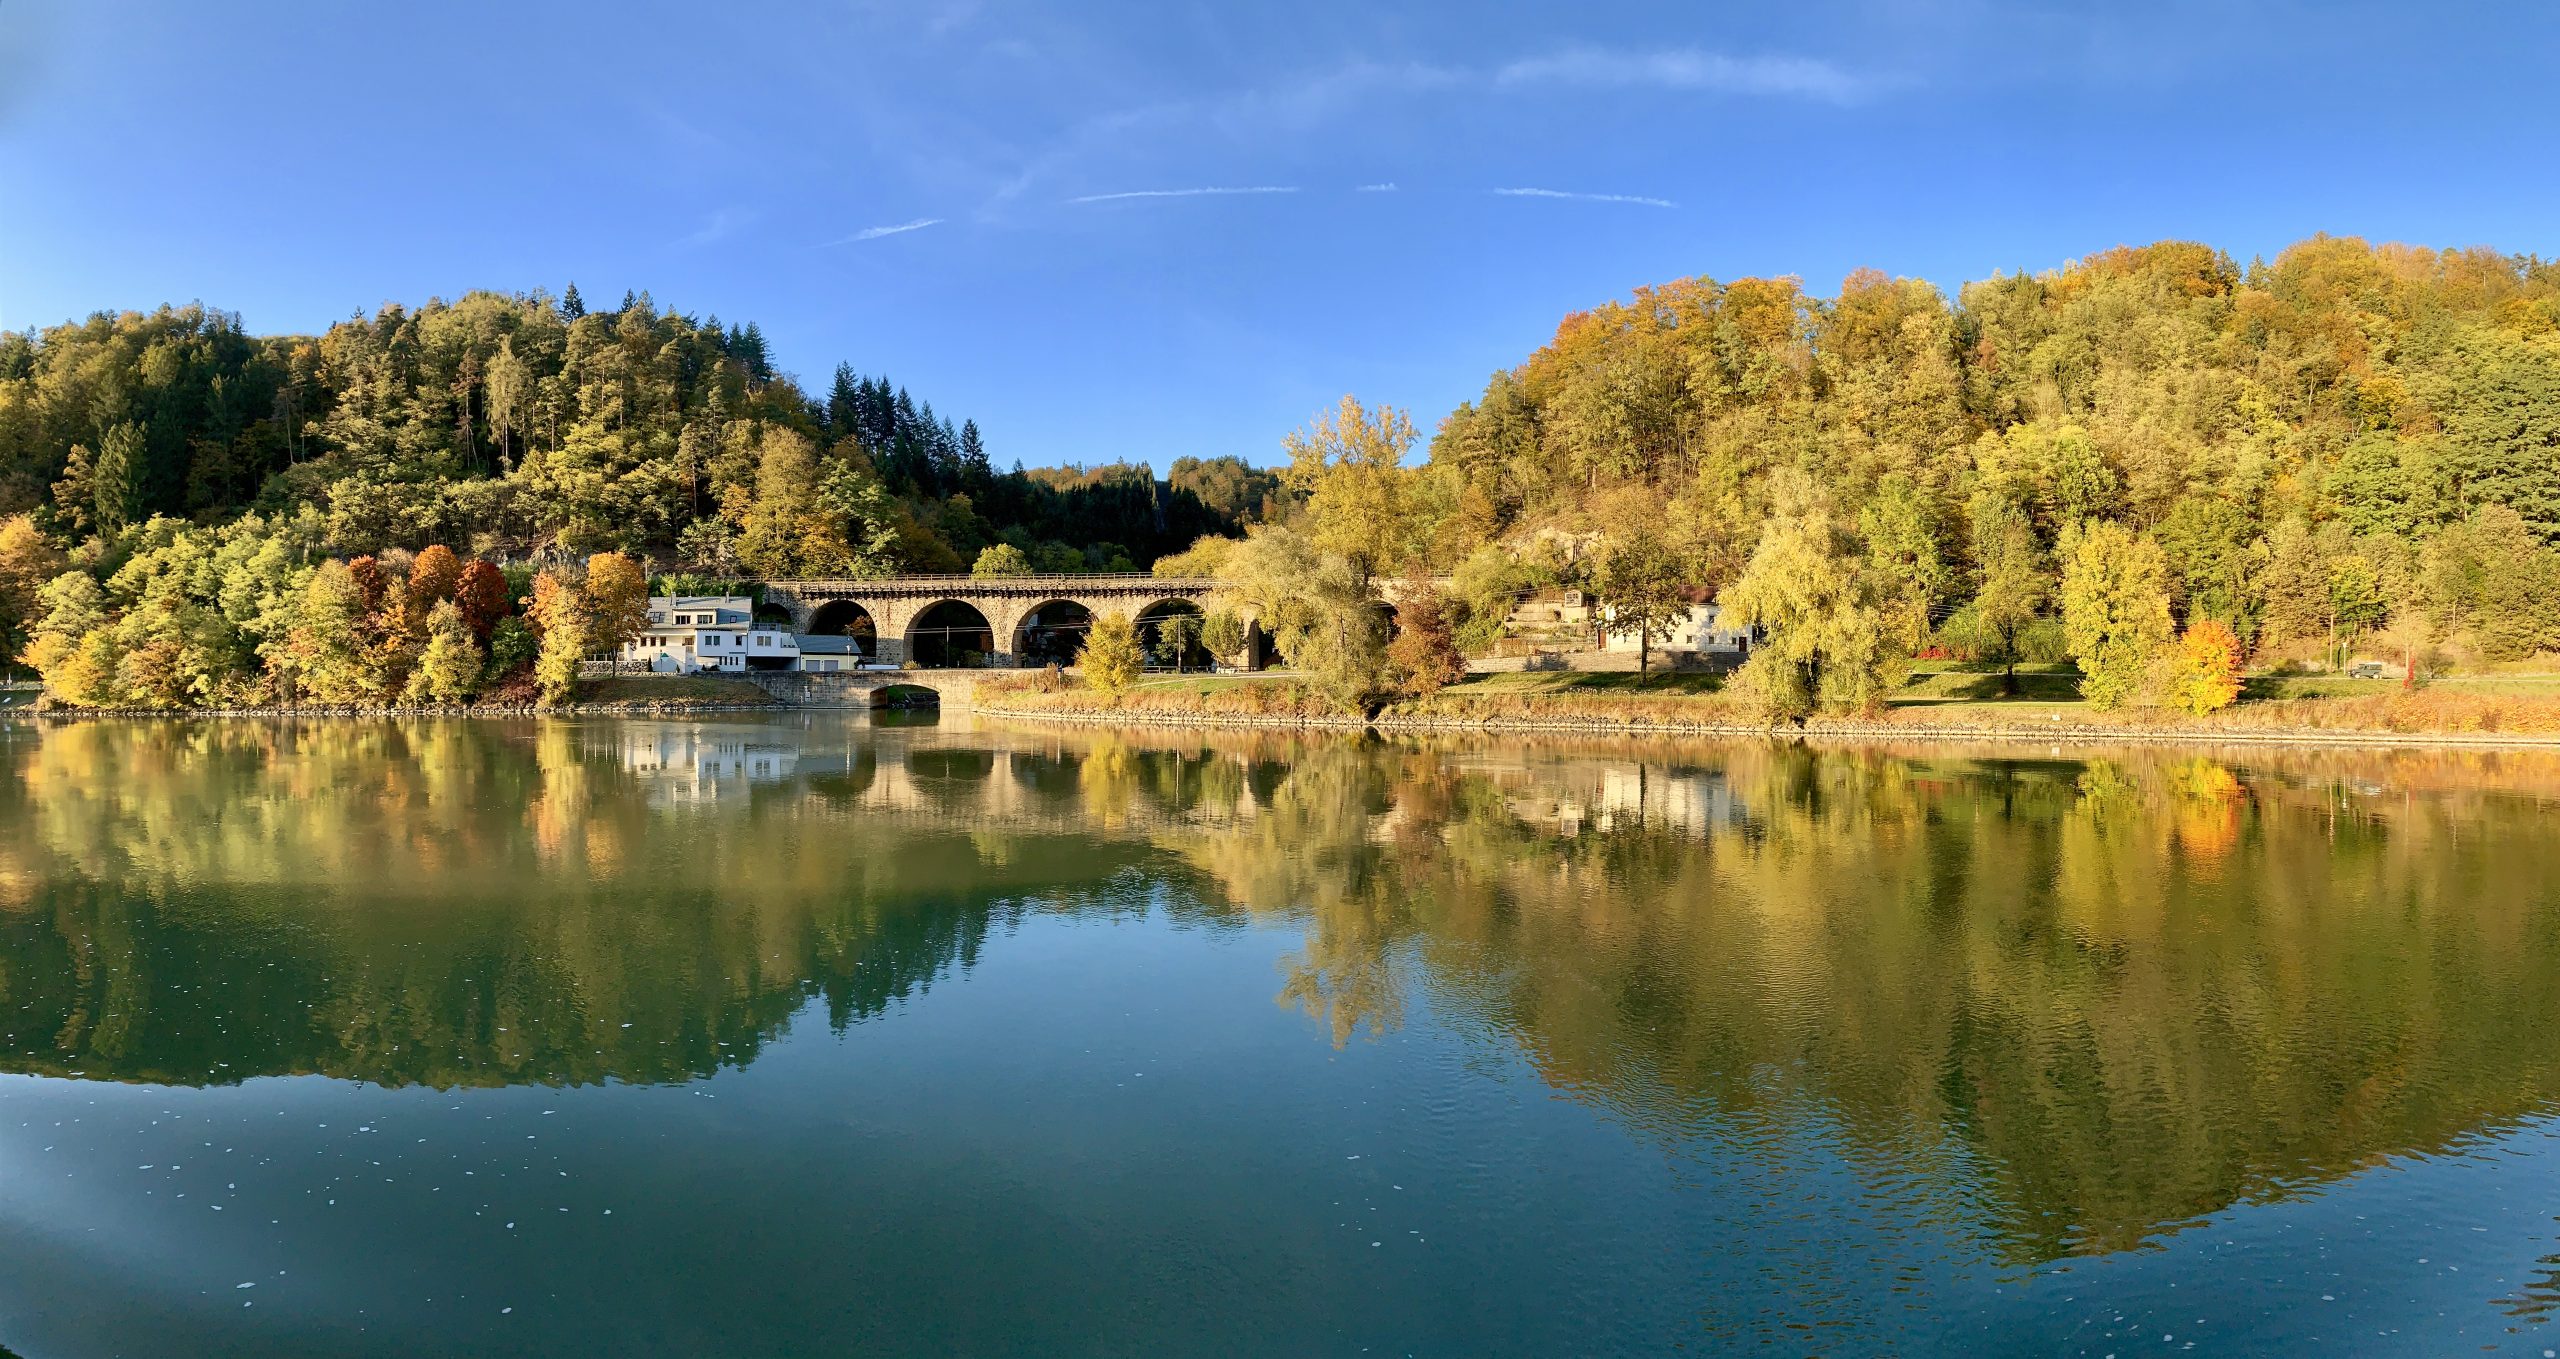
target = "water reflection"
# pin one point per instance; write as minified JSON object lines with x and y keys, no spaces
{"x":2075,"y":1002}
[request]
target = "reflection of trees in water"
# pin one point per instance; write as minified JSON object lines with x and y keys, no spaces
{"x":2124,"y":992}
{"x":457,"y":903}
{"x":2538,"y":1300}
{"x":2102,"y":995}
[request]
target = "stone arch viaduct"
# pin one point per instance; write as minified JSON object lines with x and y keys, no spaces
{"x":909,"y":613}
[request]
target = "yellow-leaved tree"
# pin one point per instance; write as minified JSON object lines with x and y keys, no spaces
{"x":1112,"y":656}
{"x":617,"y":600}
{"x":2204,"y":668}
{"x":448,"y":669}
{"x":1363,"y":504}
{"x":562,"y":617}
{"x":1825,"y":646}
{"x":2115,"y":608}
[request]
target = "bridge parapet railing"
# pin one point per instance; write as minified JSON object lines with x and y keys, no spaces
{"x":1051,"y":583}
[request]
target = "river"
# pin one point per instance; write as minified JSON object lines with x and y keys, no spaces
{"x":807,"y":1034}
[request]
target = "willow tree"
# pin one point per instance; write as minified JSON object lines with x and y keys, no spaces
{"x":1826,"y":645}
{"x":1317,"y":608}
{"x":1363,"y":504}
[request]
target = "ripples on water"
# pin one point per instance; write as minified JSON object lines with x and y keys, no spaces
{"x":805,"y":1036}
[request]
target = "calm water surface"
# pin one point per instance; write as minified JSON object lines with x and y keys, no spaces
{"x":811,"y":1036}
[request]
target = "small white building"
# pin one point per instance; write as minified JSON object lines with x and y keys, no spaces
{"x":822,"y":654}
{"x":1701,"y":632}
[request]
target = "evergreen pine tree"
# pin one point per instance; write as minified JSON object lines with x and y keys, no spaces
{"x":115,"y":485}
{"x":844,"y":404}
{"x":976,"y":474}
{"x":571,"y":306}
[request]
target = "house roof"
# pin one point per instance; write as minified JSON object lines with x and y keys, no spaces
{"x":820,"y":644}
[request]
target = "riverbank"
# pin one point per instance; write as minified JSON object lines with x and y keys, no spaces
{"x":2385,"y":715}
{"x":631,"y":696}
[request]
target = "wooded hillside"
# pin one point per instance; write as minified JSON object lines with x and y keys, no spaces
{"x":2315,"y":443}
{"x":521,"y":423}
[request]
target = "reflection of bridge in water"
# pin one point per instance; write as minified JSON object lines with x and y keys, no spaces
{"x":1048,"y":780}
{"x":950,"y":775}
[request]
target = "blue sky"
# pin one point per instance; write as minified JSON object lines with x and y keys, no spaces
{"x":1002,"y":204}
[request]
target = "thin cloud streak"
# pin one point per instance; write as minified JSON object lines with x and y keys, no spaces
{"x":1685,"y":68}
{"x":1388,"y":187}
{"x":1295,"y":107}
{"x":1206,"y":191}
{"x":875,"y":233}
{"x":1638,"y":200}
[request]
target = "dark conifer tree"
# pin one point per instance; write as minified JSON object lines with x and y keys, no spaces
{"x":844,"y":405}
{"x":571,"y":305}
{"x":977,"y":476}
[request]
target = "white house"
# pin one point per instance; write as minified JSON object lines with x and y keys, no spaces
{"x":1699,"y":632}
{"x":690,"y":633}
{"x":700,"y":763}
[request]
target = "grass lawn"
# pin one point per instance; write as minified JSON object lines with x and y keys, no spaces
{"x":1203,"y":684}
{"x":1519,"y":683}
{"x":1932,"y":693}
{"x":2338,"y":686}
{"x":1933,"y":684}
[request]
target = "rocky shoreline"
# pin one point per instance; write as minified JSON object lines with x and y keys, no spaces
{"x":1829,"y":731}
{"x":1826,"y":731}
{"x":654,"y":708}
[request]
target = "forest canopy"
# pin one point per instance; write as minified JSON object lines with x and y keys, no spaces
{"x":192,"y":515}
{"x":519,"y":425}
{"x":2346,"y":438}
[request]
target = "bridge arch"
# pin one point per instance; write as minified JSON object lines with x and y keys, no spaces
{"x":846,"y":618}
{"x":954,"y":779}
{"x":1052,"y":632}
{"x":950,"y":634}
{"x":1169,"y":629}
{"x":903,"y":695}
